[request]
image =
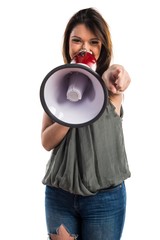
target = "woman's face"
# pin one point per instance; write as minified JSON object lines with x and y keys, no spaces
{"x":82,"y":38}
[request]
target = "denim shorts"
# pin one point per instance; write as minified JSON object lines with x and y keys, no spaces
{"x":96,"y":217}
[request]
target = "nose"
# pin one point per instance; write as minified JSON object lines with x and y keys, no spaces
{"x":86,"y":47}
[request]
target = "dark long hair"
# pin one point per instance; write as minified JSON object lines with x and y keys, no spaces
{"x":95,"y":22}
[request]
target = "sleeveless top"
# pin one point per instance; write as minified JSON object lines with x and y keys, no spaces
{"x":90,"y":158}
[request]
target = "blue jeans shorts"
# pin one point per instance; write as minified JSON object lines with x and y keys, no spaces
{"x":96,"y":217}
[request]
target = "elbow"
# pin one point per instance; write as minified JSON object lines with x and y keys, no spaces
{"x":46,"y":146}
{"x":46,"y":142}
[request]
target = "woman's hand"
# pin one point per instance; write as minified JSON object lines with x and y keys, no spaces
{"x":116,"y":79}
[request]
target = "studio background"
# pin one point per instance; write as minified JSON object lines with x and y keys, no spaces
{"x":31,"y":34}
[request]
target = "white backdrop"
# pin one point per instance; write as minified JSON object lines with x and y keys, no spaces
{"x":31,"y":34}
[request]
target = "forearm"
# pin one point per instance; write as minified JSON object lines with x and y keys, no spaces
{"x":117,"y":97}
{"x":116,"y":100}
{"x":53,"y":135}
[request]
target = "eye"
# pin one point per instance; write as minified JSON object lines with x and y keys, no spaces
{"x":95,"y":42}
{"x":76,"y":40}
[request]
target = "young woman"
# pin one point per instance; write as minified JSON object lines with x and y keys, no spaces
{"x":85,"y":194}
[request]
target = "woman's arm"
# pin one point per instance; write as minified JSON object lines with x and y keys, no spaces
{"x":52,"y":133}
{"x":117,"y":80}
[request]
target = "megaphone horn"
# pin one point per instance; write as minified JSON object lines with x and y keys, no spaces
{"x":74,"y":94}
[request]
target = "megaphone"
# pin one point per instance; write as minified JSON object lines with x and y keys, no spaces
{"x":74,"y":94}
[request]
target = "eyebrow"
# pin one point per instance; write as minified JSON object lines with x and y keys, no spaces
{"x":81,"y":38}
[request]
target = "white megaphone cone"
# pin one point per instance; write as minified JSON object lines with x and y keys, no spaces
{"x":74,"y":94}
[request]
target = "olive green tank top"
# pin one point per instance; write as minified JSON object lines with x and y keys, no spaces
{"x":90,"y":158}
